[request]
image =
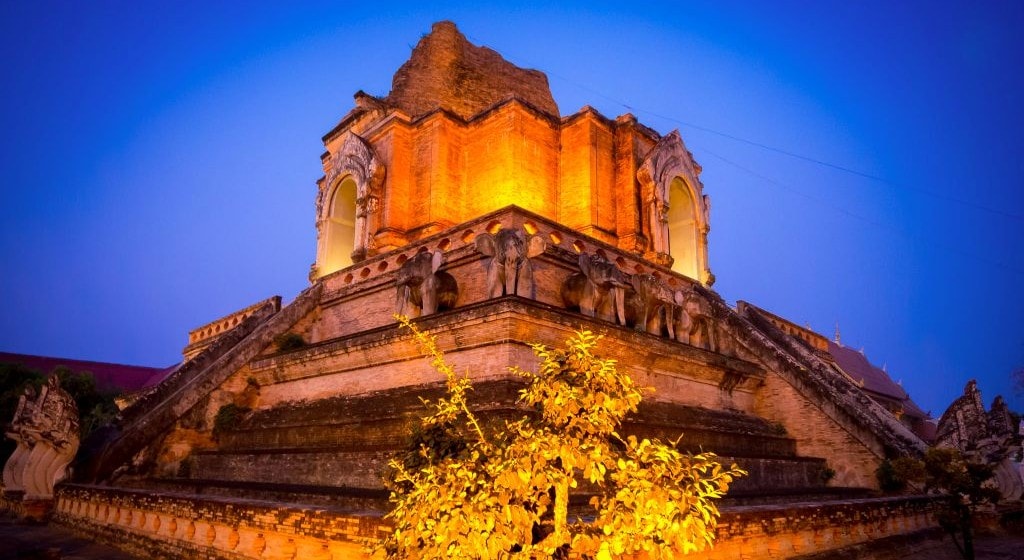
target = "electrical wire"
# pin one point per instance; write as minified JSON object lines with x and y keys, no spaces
{"x":929,"y":244}
{"x":794,"y":155}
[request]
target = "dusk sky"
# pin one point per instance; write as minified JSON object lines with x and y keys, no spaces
{"x":864,"y":159}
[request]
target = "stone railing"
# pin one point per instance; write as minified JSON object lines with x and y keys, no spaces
{"x":157,"y":410}
{"x":794,"y":530}
{"x":200,"y":337}
{"x":157,"y":524}
{"x":190,"y":526}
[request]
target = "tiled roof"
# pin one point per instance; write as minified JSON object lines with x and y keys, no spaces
{"x":108,"y":376}
{"x":873,"y":379}
{"x":857,"y":366}
{"x":911,"y":409}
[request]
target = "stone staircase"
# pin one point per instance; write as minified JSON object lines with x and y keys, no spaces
{"x":155,"y":412}
{"x":333,"y":451}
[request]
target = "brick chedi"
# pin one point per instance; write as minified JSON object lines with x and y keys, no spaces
{"x":464,"y":199}
{"x":464,"y":133}
{"x":447,"y":72}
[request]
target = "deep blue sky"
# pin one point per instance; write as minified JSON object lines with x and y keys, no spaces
{"x":159,"y":159}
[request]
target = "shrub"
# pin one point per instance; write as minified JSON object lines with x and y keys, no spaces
{"x":467,"y":490}
{"x":289,"y":341}
{"x":228,"y":418}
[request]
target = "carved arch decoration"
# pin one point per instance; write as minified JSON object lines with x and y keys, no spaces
{"x":45,"y":432}
{"x":670,"y":164}
{"x":355,"y":160}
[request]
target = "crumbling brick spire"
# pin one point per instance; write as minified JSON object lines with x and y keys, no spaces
{"x":447,"y":71}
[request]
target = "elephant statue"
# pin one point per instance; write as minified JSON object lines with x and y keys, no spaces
{"x":599,"y":290}
{"x":653,"y":305}
{"x":509,"y":270}
{"x":694,"y":325}
{"x":423,"y":287}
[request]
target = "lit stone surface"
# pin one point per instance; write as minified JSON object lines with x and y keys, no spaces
{"x":464,"y":198}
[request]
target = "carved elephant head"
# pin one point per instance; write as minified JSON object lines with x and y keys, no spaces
{"x":509,"y":270}
{"x":602,"y":291}
{"x":423,"y":287}
{"x":694,"y":324}
{"x":653,"y":304}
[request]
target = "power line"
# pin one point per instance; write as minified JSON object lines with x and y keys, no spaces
{"x":788,"y":153}
{"x":930,"y":244}
{"x":815,"y":161}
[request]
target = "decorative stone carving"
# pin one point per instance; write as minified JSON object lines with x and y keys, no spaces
{"x":985,"y":437}
{"x":668,"y":160}
{"x":694,"y":324}
{"x":509,"y":270}
{"x":45,"y":429}
{"x":355,"y":158}
{"x":731,"y":380}
{"x":423,"y":288}
{"x":599,"y":290}
{"x":653,"y":305}
{"x":642,"y":301}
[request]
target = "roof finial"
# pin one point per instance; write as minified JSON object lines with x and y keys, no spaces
{"x":837,"y":334}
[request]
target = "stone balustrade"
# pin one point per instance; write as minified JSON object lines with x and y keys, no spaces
{"x":201,"y":337}
{"x":190,"y":526}
{"x":208,"y":527}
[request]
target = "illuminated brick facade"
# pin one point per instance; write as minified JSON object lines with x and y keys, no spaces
{"x":425,"y":159}
{"x":464,"y":199}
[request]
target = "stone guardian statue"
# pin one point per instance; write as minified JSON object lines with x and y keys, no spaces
{"x":45,"y":429}
{"x":509,"y":270}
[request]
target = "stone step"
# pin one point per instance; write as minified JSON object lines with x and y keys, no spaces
{"x":362,"y":468}
{"x":393,"y":434}
{"x":738,"y":498}
{"x":386,"y":418}
{"x":497,"y":396}
{"x":339,"y":499}
{"x":767,"y":475}
{"x":357,"y":500}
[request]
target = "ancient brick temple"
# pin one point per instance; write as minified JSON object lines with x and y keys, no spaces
{"x":464,"y":198}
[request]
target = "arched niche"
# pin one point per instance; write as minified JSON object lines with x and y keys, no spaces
{"x":675,"y":212}
{"x":683,"y":229}
{"x":340,"y":231}
{"x":347,"y":206}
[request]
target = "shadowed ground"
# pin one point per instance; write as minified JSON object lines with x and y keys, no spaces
{"x":23,"y":541}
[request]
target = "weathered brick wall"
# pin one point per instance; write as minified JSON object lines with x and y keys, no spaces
{"x":818,"y":435}
{"x":632,"y":141}
{"x":757,"y":532}
{"x":363,"y":296}
{"x":447,"y":71}
{"x":486,"y":338}
{"x":587,"y":198}
{"x":444,"y":167}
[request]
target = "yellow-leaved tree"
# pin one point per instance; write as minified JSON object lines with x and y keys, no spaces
{"x":466,"y":489}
